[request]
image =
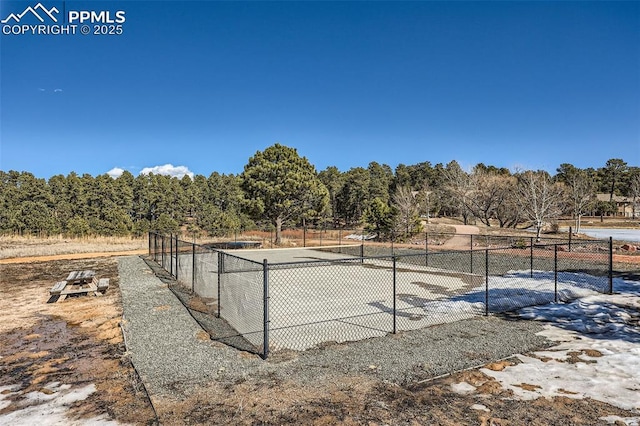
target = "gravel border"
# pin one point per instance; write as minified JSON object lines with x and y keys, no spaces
{"x":166,"y":345}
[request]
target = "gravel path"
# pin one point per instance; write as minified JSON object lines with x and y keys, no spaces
{"x":164,"y":341}
{"x":461,"y":242}
{"x":168,"y":349}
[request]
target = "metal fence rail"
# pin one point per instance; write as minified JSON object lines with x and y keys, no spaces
{"x":371,"y":291}
{"x":307,"y":237}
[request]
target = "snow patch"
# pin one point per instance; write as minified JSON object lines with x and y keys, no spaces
{"x":50,"y":408}
{"x":597,"y":355}
{"x":480,"y":407}
{"x":524,"y":288}
{"x":463,"y":388}
{"x":629,"y":421}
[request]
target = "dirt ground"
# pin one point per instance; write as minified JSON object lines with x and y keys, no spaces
{"x":79,"y":341}
{"x":75,"y":342}
{"x":70,"y":256}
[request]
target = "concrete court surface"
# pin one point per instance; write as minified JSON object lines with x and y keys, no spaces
{"x":329,"y":302}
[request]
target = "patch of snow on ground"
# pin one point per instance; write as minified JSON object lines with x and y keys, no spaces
{"x":463,"y":388}
{"x":5,"y":392}
{"x":629,"y":421}
{"x":50,"y":408}
{"x":523,"y":288}
{"x":597,"y":355}
{"x":480,"y":407}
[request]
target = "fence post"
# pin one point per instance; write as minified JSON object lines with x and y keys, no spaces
{"x":531,"y":255}
{"x":162,"y":250}
{"x":362,"y":252}
{"x":486,"y":282}
{"x":171,"y":254}
{"x":394,"y":296}
{"x":265,"y":307}
{"x":149,"y":236}
{"x":339,"y":237}
{"x":220,"y":272}
{"x":555,"y":273}
{"x":304,"y":236}
{"x":193,"y":267}
{"x":471,"y":253}
{"x":426,"y":248}
{"x":177,"y":258}
{"x":610,"y":265}
{"x":570,"y":233}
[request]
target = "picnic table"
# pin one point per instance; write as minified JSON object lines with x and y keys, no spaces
{"x":79,"y":283}
{"x":80,"y":277}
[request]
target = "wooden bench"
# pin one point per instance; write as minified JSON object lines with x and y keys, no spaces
{"x":101,"y":284}
{"x":57,"y":288}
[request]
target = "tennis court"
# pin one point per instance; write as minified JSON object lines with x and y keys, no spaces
{"x":302,"y":298}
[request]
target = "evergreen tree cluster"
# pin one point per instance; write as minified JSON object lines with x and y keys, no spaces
{"x":278,"y":188}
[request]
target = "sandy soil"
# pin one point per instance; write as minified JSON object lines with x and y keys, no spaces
{"x":78,"y":342}
{"x":460,"y":241}
{"x":29,"y":246}
{"x":70,"y":256}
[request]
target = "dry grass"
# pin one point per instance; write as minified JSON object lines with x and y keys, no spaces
{"x":13,"y":246}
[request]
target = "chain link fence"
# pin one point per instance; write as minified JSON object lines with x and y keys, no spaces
{"x":433,"y":240}
{"x":215,"y":283}
{"x":296,"y":299}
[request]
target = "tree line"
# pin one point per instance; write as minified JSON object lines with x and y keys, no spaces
{"x":278,"y":188}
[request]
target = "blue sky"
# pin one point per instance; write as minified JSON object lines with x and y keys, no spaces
{"x":204,"y":85}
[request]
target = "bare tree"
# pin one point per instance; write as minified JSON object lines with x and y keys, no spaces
{"x":508,"y":211}
{"x":484,"y":194}
{"x":407,"y":207}
{"x":480,"y":196}
{"x":541,"y":199}
{"x":457,"y":186}
{"x":581,"y":190}
{"x":634,"y":192}
{"x":424,"y":199}
{"x":488,"y":192}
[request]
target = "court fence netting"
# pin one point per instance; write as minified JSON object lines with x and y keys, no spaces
{"x":267,"y":300}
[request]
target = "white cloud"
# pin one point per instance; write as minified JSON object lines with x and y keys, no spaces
{"x":168,"y":170}
{"x":115,"y":172}
{"x":57,"y":90}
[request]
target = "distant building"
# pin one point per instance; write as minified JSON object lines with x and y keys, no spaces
{"x":624,"y":205}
